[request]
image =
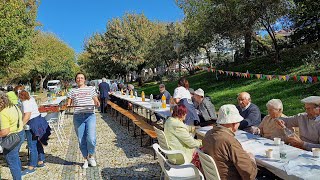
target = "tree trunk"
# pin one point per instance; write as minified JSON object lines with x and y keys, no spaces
{"x":208,"y":56}
{"x":42,"y":79}
{"x":247,"y":45}
{"x":34,"y":84}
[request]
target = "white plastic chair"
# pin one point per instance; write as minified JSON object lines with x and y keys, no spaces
{"x":60,"y":124}
{"x":53,"y":119}
{"x":185,"y":171}
{"x":162,"y":140}
{"x":209,"y":166}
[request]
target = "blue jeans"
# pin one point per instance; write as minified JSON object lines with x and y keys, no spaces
{"x":13,"y":160}
{"x":85,"y":127}
{"x":35,"y":148}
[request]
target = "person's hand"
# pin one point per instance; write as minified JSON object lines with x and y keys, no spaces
{"x":97,"y":103}
{"x":280,"y":124}
{"x":295,"y":141}
{"x":254,"y":130}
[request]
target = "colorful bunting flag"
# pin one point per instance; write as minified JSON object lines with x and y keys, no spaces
{"x":310,"y":79}
{"x":315,"y":79}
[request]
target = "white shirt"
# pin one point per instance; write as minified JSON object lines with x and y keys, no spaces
{"x":245,"y":108}
{"x":181,"y":93}
{"x":30,"y":106}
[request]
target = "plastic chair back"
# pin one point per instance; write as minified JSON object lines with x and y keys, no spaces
{"x":209,"y":166}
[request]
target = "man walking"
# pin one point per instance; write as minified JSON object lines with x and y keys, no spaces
{"x":104,"y":90}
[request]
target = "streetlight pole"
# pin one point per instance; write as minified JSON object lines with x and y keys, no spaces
{"x":177,"y":48}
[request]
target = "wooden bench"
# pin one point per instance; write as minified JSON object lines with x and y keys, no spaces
{"x":136,"y":120}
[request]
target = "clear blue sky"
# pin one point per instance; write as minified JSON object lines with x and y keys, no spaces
{"x":73,"y":21}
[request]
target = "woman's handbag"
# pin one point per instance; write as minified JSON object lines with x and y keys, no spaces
{"x":12,"y":140}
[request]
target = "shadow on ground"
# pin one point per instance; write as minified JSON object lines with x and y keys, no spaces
{"x":137,"y":172}
{"x":125,"y":139}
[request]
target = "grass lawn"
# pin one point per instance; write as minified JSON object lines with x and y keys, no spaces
{"x":225,"y":90}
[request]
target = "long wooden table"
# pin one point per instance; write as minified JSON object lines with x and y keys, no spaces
{"x":299,"y":164}
{"x":163,"y":112}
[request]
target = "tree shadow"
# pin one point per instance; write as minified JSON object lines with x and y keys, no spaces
{"x":125,"y":140}
{"x":57,"y":160}
{"x":144,"y":171}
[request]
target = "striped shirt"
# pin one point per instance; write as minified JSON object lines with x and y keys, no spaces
{"x":82,"y":97}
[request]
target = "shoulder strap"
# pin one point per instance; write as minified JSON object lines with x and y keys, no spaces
{"x":18,"y":125}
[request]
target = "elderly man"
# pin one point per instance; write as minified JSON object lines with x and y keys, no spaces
{"x":308,"y":123}
{"x":163,"y":91}
{"x":249,"y":111}
{"x":231,"y":160}
{"x":205,"y":109}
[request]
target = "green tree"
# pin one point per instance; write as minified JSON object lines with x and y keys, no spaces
{"x":17,"y":23}
{"x":306,"y":21}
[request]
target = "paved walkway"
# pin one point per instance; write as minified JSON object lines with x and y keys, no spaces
{"x":119,"y":156}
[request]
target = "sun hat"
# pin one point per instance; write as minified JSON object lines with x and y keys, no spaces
{"x":228,"y":114}
{"x":311,"y":100}
{"x":199,"y":92}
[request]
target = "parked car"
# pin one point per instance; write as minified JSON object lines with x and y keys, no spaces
{"x":54,"y":85}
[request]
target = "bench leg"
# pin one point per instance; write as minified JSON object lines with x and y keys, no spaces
{"x":128,"y":124}
{"x":141,"y":136}
{"x":134,"y":130}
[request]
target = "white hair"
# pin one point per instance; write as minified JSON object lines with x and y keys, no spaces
{"x":275,"y":104}
{"x":104,"y":79}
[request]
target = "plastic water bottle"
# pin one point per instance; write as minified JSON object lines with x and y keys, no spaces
{"x":127,"y":92}
{"x":151,"y":98}
{"x":283,"y":154}
{"x":288,"y":132}
{"x":136,"y":94}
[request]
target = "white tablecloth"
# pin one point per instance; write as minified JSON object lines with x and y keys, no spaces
{"x":164,"y":112}
{"x":298,"y":164}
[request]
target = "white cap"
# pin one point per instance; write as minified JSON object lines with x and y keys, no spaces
{"x":311,"y":100}
{"x":228,"y":114}
{"x":199,"y":92}
{"x":130,"y":86}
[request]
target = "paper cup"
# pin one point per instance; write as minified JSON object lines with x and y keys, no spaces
{"x":277,"y":141}
{"x":316,"y":152}
{"x":269,"y":153}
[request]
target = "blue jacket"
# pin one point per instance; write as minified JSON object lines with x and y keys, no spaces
{"x":104,"y":88}
{"x":192,"y":115}
{"x":40,"y":128}
{"x":252,"y":116}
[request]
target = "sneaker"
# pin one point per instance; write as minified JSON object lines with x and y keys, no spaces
{"x":85,"y":164}
{"x":28,"y":171}
{"x":92,"y":162}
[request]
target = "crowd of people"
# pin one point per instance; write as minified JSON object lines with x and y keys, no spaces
{"x":194,"y":109}
{"x":20,"y":120}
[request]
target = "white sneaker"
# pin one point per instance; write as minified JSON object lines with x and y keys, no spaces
{"x":85,"y":164}
{"x":92,"y":162}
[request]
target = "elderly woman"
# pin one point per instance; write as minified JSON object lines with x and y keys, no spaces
{"x":37,"y":135}
{"x":178,"y":135}
{"x":182,"y":96}
{"x":11,"y":122}
{"x":268,"y":126}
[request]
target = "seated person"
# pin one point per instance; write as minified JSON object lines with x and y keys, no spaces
{"x":163,"y":91}
{"x":205,"y":109}
{"x":249,"y":111}
{"x":232,"y":161}
{"x":308,"y":123}
{"x":178,"y":136}
{"x":268,"y":126}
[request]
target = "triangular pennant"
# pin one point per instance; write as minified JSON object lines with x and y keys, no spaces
{"x":298,"y":78}
{"x":258,"y":76}
{"x":213,"y":70}
{"x":315,"y":79}
{"x":231,"y":73}
{"x":279,"y":77}
{"x":263,"y":76}
{"x":227,"y":73}
{"x":295,"y":78}
{"x":208,"y":69}
{"x":319,"y":78}
{"x":305,"y":78}
{"x":310,"y":79}
{"x":287,"y":77}
{"x":248,"y":75}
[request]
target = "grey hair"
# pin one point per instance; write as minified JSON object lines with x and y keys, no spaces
{"x":245,"y":95}
{"x":275,"y":104}
{"x":4,"y":101}
{"x":162,"y":85}
{"x":104,"y":79}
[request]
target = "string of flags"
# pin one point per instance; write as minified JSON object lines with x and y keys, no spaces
{"x":304,"y":79}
